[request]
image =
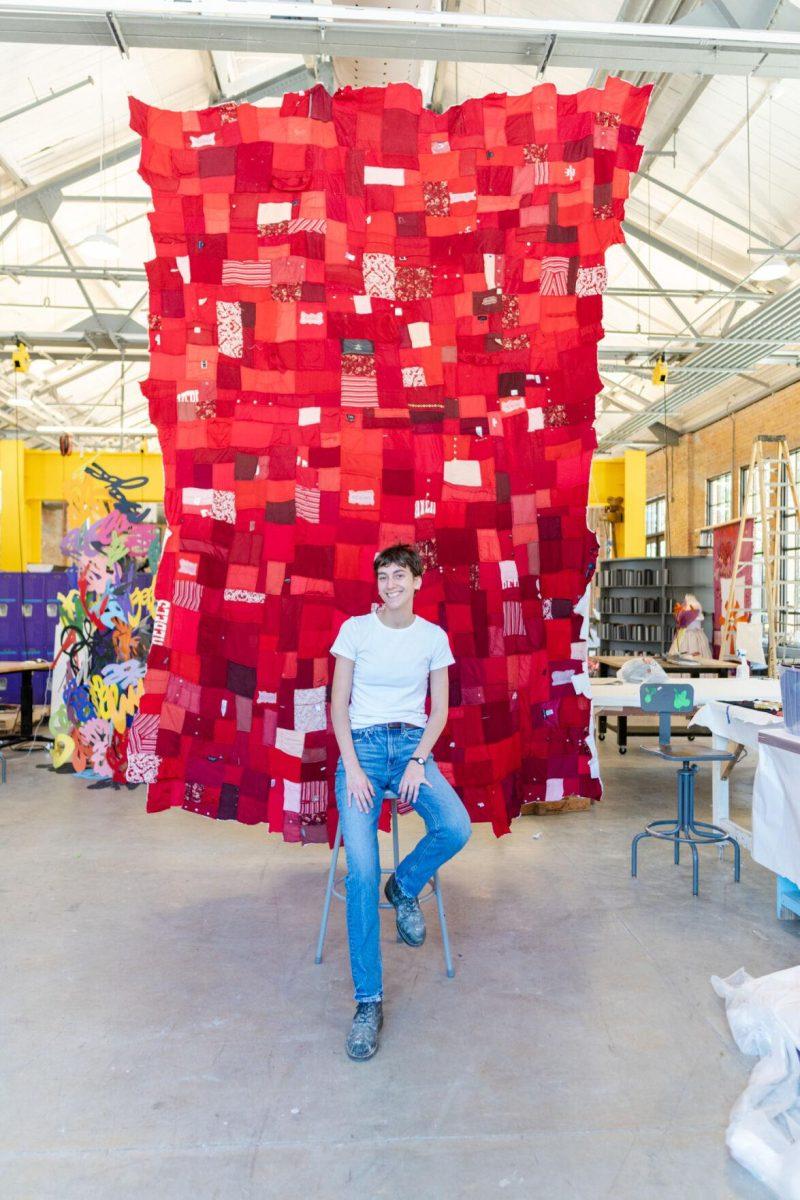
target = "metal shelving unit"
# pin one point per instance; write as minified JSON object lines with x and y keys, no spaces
{"x":637,"y":596}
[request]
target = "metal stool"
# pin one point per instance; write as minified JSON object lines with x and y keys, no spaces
{"x":664,"y":699}
{"x":432,"y":889}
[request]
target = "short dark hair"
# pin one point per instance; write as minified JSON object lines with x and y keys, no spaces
{"x":403,"y":555}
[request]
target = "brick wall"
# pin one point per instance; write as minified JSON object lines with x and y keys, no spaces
{"x":681,"y":471}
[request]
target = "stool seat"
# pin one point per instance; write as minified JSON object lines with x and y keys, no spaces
{"x":432,"y":890}
{"x":677,"y":754}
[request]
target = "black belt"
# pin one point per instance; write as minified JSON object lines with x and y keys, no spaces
{"x":401,"y":725}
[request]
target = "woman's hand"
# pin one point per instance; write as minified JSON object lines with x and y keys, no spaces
{"x":359,"y":788}
{"x":413,"y":779}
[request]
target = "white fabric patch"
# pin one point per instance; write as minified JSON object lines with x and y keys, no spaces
{"x":183,"y":265}
{"x":420,"y":333}
{"x":561,"y":678}
{"x":362,"y":304}
{"x":291,"y":796}
{"x":244,"y":596}
{"x":582,"y":683}
{"x":290,"y":741}
{"x":309,"y":416}
{"x":197,"y":141}
{"x":440,"y":148}
{"x":194,"y":497}
{"x":187,"y":567}
{"x":307,"y":318}
{"x":424,"y":508}
{"x":466,"y":472}
{"x":309,"y":709}
{"x":535,"y":419}
{"x":512,"y":404}
{"x":190,"y":397}
{"x":490,"y":269}
{"x":367,"y":496}
{"x":388,"y":176}
{"x":554,"y":790}
{"x":266,"y":698}
{"x":160,"y":621}
{"x":271,"y":212}
{"x":462,"y":197}
{"x":509,"y":575}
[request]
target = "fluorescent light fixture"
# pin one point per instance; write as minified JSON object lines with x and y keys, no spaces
{"x":772,"y":268}
{"x":100,"y":247}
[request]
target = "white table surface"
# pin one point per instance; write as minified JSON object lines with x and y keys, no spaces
{"x":776,"y":803}
{"x":609,"y":695}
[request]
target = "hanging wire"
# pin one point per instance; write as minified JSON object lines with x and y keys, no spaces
{"x":747,"y":136}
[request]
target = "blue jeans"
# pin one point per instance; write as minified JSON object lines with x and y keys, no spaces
{"x":383,"y":753}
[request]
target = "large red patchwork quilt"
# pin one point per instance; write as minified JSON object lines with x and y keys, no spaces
{"x":371,"y":323}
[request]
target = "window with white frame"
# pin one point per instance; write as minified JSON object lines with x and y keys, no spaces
{"x":718,"y":499}
{"x":655,"y":527}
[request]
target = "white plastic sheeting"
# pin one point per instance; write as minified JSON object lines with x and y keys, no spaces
{"x":764,"y":1130}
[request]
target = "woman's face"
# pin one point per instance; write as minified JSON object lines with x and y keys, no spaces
{"x":397,"y":585}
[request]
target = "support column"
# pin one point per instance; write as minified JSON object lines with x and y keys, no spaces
{"x":635,"y":492}
{"x":14,"y":525}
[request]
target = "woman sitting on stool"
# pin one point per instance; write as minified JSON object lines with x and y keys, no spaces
{"x":384,"y":661}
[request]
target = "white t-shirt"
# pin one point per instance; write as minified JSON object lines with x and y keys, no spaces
{"x":390,"y":677}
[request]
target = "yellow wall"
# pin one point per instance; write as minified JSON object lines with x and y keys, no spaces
{"x":625,"y":477}
{"x":28,"y":477}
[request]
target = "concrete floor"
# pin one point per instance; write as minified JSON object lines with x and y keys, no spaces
{"x":166,"y":1032}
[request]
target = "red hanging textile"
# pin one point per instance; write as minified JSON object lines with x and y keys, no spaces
{"x":370,"y":323}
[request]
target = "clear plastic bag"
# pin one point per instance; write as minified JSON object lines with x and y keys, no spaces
{"x":764,"y":1130}
{"x":642,"y":670}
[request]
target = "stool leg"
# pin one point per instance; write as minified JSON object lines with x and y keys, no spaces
{"x":326,"y":908}
{"x":395,"y":836}
{"x":448,"y":958}
{"x":635,"y":848}
{"x":680,"y":821}
{"x":395,"y":847}
{"x":2,"y":766}
{"x":688,"y":773}
{"x":737,"y":855}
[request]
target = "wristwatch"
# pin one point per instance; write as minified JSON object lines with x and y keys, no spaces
{"x":421,"y":761}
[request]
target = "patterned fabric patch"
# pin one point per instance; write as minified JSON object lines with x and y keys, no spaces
{"x":379,"y":276}
{"x":229,"y":328}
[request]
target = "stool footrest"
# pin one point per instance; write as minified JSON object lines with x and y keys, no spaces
{"x":431,"y":890}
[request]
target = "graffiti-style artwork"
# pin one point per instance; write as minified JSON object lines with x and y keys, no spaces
{"x":104,"y":631}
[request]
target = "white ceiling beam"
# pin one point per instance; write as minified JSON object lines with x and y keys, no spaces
{"x":303,"y":28}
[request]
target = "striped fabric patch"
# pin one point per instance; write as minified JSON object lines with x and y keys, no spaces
{"x":187,"y":594}
{"x":359,"y":391}
{"x":308,"y":225}
{"x":513,"y":621}
{"x":306,"y":503}
{"x":142,"y":737}
{"x":246,"y":274}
